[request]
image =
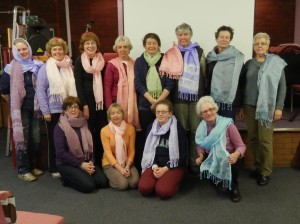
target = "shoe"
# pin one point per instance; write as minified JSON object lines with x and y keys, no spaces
{"x":56,"y":175}
{"x":254,"y":174}
{"x":195,"y":170}
{"x":235,"y":195}
{"x":27,"y":177}
{"x":263,"y":180}
{"x":221,"y":189}
{"x":37,"y":172}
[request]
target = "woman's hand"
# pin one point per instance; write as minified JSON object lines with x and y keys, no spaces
{"x":125,"y":171}
{"x":233,"y":157}
{"x":47,"y":117}
{"x":153,"y":103}
{"x":241,"y":113}
{"x":86,"y":112}
{"x":199,"y":160}
{"x":158,"y":172}
{"x":277,"y":115}
{"x":88,"y":167}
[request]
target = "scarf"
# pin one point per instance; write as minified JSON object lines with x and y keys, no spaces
{"x":152,"y":79}
{"x":226,"y":74}
{"x":269,"y":75}
{"x":126,"y":95}
{"x":172,"y":63}
{"x":61,"y":79}
{"x":67,"y":124}
{"x":95,"y":69}
{"x":15,"y":69}
{"x":152,"y":142}
{"x":188,"y":84}
{"x":216,"y":166}
{"x":121,"y":149}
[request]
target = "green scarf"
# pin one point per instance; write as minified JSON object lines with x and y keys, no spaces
{"x":152,"y":79}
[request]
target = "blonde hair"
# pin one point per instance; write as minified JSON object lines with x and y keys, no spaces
{"x":54,"y":42}
{"x":115,"y":106}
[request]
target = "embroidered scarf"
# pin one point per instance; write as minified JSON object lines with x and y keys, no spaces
{"x":95,"y":69}
{"x":152,"y":79}
{"x":61,"y":79}
{"x":152,"y":142}
{"x":172,"y":63}
{"x":83,"y":149}
{"x":126,"y":95}
{"x":216,"y":166}
{"x":121,"y":149}
{"x":269,"y":75}
{"x":226,"y":74}
{"x":17,"y":90}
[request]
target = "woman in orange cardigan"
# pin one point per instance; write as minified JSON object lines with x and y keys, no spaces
{"x":118,"y":140}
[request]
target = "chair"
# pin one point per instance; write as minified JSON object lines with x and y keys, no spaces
{"x":295,"y":90}
{"x":8,"y":213}
{"x":108,"y":56}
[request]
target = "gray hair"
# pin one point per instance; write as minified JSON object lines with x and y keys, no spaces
{"x":262,"y":35}
{"x":184,"y":28}
{"x":122,"y":38}
{"x":202,"y":101}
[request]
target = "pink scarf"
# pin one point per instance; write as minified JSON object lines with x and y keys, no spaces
{"x":172,"y":63}
{"x":67,"y":124}
{"x":121,"y":150}
{"x":126,"y":95}
{"x":95,"y":69}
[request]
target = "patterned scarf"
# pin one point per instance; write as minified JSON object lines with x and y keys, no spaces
{"x":126,"y":95}
{"x":188,"y":84}
{"x":121,"y":149}
{"x":226,"y":74}
{"x":67,"y":123}
{"x":152,"y":142}
{"x":152,"y":79}
{"x":216,"y":166}
{"x":61,"y":79}
{"x":269,"y":75}
{"x":95,"y":69}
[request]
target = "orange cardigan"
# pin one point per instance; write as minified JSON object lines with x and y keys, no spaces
{"x":109,"y":145}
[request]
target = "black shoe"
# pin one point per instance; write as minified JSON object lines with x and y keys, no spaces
{"x":254,"y":174}
{"x":263,"y":180}
{"x":221,"y":189}
{"x":235,"y":195}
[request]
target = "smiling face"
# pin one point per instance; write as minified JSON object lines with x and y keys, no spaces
{"x":151,"y":46}
{"x":123,"y":50}
{"x":58,"y":53}
{"x":209,"y":113}
{"x":116,"y":116}
{"x":90,"y":48}
{"x":223,"y":40}
{"x":184,"y":38}
{"x":23,"y":50}
{"x":73,"y":111}
{"x":162,"y":113}
{"x":261,"y":46}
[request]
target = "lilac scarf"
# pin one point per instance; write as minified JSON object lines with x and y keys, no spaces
{"x":67,"y":123}
{"x":188,"y":84}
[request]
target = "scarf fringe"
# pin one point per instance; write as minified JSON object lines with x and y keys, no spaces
{"x":216,"y":180}
{"x":263,"y":118}
{"x":99,"y":105}
{"x":155,"y":94}
{"x":188,"y":96}
{"x":224,"y":106}
{"x":173,"y":163}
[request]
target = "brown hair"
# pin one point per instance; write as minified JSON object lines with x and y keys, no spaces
{"x":224,"y":28}
{"x":165,"y":102}
{"x":87,"y":37}
{"x":152,"y":36}
{"x":54,"y":42}
{"x":69,"y":101}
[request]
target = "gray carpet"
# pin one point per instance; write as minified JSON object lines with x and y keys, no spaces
{"x":196,"y":202}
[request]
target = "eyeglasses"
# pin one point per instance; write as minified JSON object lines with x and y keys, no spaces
{"x":261,"y":44}
{"x":163,"y":112}
{"x":209,"y":110}
{"x":87,"y":43}
{"x":73,"y":107}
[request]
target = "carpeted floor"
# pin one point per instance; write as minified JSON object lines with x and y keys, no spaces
{"x":196,"y":202}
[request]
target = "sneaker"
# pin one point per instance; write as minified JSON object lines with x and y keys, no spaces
{"x":37,"y":172}
{"x":27,"y":177}
{"x":56,"y":175}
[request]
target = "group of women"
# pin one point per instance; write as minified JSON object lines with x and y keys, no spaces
{"x":106,"y":131}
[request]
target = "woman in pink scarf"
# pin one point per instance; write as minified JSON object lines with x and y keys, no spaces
{"x":87,"y":70}
{"x":118,"y":139}
{"x":119,"y":81}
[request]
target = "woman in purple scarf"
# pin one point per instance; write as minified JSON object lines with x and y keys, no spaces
{"x":19,"y":80}
{"x":74,"y":150}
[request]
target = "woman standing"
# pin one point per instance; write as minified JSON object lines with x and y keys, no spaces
{"x":89,"y":87}
{"x":55,"y":82}
{"x":119,"y":81}
{"x":185,"y":63}
{"x":224,"y":65}
{"x":74,"y":150}
{"x":19,"y":80}
{"x":263,"y":101}
{"x":150,"y":87}
{"x":164,"y":158}
{"x":118,"y":139}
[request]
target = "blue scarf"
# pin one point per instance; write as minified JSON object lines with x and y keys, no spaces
{"x":188,"y":84}
{"x":216,"y":166}
{"x":226,"y":74}
{"x":269,"y":75}
{"x":152,"y":142}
